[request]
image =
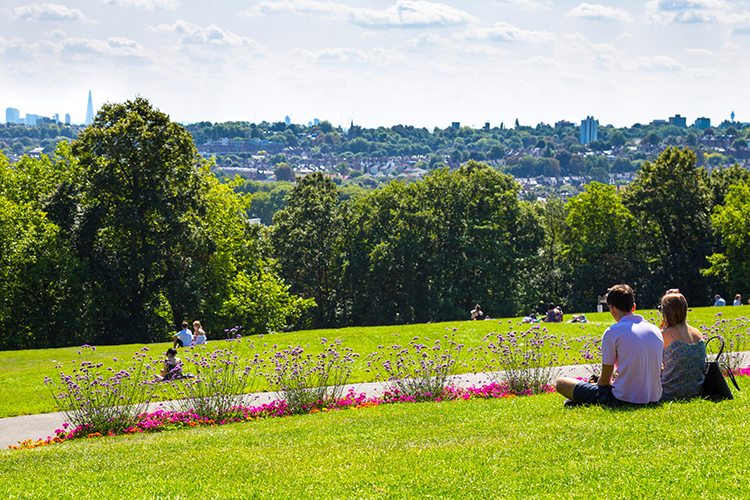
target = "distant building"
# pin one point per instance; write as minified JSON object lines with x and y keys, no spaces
{"x":56,"y":117}
{"x":678,"y":121}
{"x":658,"y":123}
{"x":486,"y":125}
{"x":316,"y":121}
{"x":702,"y":123}
{"x":89,"y":111}
{"x":67,"y":118}
{"x":31,"y":119}
{"x":287,"y":120}
{"x":12,"y":115}
{"x":589,"y":130}
{"x":563,"y":124}
{"x":456,"y":125}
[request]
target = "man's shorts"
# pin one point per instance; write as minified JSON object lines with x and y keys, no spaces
{"x":179,"y":341}
{"x":593,"y":394}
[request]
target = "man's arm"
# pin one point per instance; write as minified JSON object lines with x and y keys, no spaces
{"x":606,"y":377}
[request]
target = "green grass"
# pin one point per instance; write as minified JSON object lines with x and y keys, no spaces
{"x":522,"y":448}
{"x":22,"y":372}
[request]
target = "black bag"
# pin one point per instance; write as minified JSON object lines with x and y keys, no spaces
{"x":714,"y":385}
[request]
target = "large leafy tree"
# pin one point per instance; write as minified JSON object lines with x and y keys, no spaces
{"x":732,"y":222}
{"x":138,"y":236}
{"x":305,"y":240}
{"x":601,"y":247}
{"x":429,"y":250}
{"x":671,"y":202}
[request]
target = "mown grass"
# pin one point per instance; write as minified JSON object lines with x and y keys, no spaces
{"x":22,"y":372}
{"x":524,"y":448}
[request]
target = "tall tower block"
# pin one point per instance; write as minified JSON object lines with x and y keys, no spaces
{"x":89,"y":111}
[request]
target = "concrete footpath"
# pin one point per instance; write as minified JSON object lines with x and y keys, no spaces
{"x":17,"y":429}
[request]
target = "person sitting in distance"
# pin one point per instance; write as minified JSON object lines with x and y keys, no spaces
{"x":172,"y":366}
{"x":737,"y":300}
{"x":719,"y":302}
{"x":554,"y":314}
{"x":183,"y":338}
{"x":633,"y":347}
{"x":476,"y":313}
{"x":199,"y":336}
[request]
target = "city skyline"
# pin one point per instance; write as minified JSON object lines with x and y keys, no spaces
{"x":381,"y":62}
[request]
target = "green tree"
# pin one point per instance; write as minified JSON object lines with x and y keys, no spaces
{"x":731,"y":222}
{"x":284,"y":172}
{"x":305,"y":240}
{"x":670,"y":200}
{"x":140,"y":206}
{"x":600,"y":247}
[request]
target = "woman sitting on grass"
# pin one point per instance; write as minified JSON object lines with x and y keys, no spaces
{"x":684,"y":351}
{"x":554,"y":314}
{"x":172,"y":366}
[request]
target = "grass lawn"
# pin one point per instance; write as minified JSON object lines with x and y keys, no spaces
{"x":22,"y":372}
{"x":524,"y":448}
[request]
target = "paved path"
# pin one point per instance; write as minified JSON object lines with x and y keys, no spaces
{"x":16,"y":429}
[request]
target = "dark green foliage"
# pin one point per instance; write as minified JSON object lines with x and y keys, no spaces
{"x":670,"y":201}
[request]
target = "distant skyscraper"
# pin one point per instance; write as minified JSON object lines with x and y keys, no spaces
{"x":316,"y":121}
{"x":589,"y":130}
{"x":287,"y":120}
{"x":56,"y":118}
{"x":67,"y":118}
{"x":89,"y":111}
{"x":678,"y":121}
{"x":31,"y":119}
{"x":732,"y":115}
{"x":702,"y":123}
{"x":12,"y":115}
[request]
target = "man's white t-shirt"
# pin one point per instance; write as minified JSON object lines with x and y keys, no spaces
{"x":635,"y":348}
{"x":186,"y":336}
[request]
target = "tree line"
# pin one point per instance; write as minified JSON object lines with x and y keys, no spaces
{"x":431,"y":249}
{"x":124,"y":233}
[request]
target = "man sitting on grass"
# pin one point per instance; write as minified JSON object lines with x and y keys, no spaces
{"x":632,"y":347}
{"x":183,"y":338}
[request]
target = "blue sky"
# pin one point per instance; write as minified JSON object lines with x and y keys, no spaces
{"x":381,"y":62}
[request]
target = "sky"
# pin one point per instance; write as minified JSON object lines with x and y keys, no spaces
{"x":381,"y":62}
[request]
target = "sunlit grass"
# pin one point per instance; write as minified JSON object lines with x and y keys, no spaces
{"x":22,"y":372}
{"x":529,"y":447}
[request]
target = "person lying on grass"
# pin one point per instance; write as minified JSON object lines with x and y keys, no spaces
{"x":632,"y":347}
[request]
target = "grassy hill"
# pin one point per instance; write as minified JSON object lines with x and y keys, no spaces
{"x":22,"y":372}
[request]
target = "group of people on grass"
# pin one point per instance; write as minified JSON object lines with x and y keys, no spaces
{"x":719,"y":302}
{"x":652,"y":364}
{"x":184,"y":338}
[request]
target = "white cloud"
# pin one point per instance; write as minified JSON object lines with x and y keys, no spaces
{"x":598,"y":12}
{"x":402,"y":14}
{"x":146,"y":4}
{"x":346,"y":56}
{"x":673,"y":5}
{"x":118,"y":47}
{"x":508,"y":33}
{"x":699,"y":52}
{"x":57,"y":34}
{"x":694,"y":12}
{"x":527,"y":4}
{"x":426,"y":41}
{"x":213,"y":36}
{"x":657,"y":63}
{"x":625,"y":35}
{"x":47,"y":12}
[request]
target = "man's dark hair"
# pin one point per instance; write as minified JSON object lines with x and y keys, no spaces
{"x":621,"y":297}
{"x":184,"y":325}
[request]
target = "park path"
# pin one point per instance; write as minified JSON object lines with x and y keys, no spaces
{"x":16,"y":429}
